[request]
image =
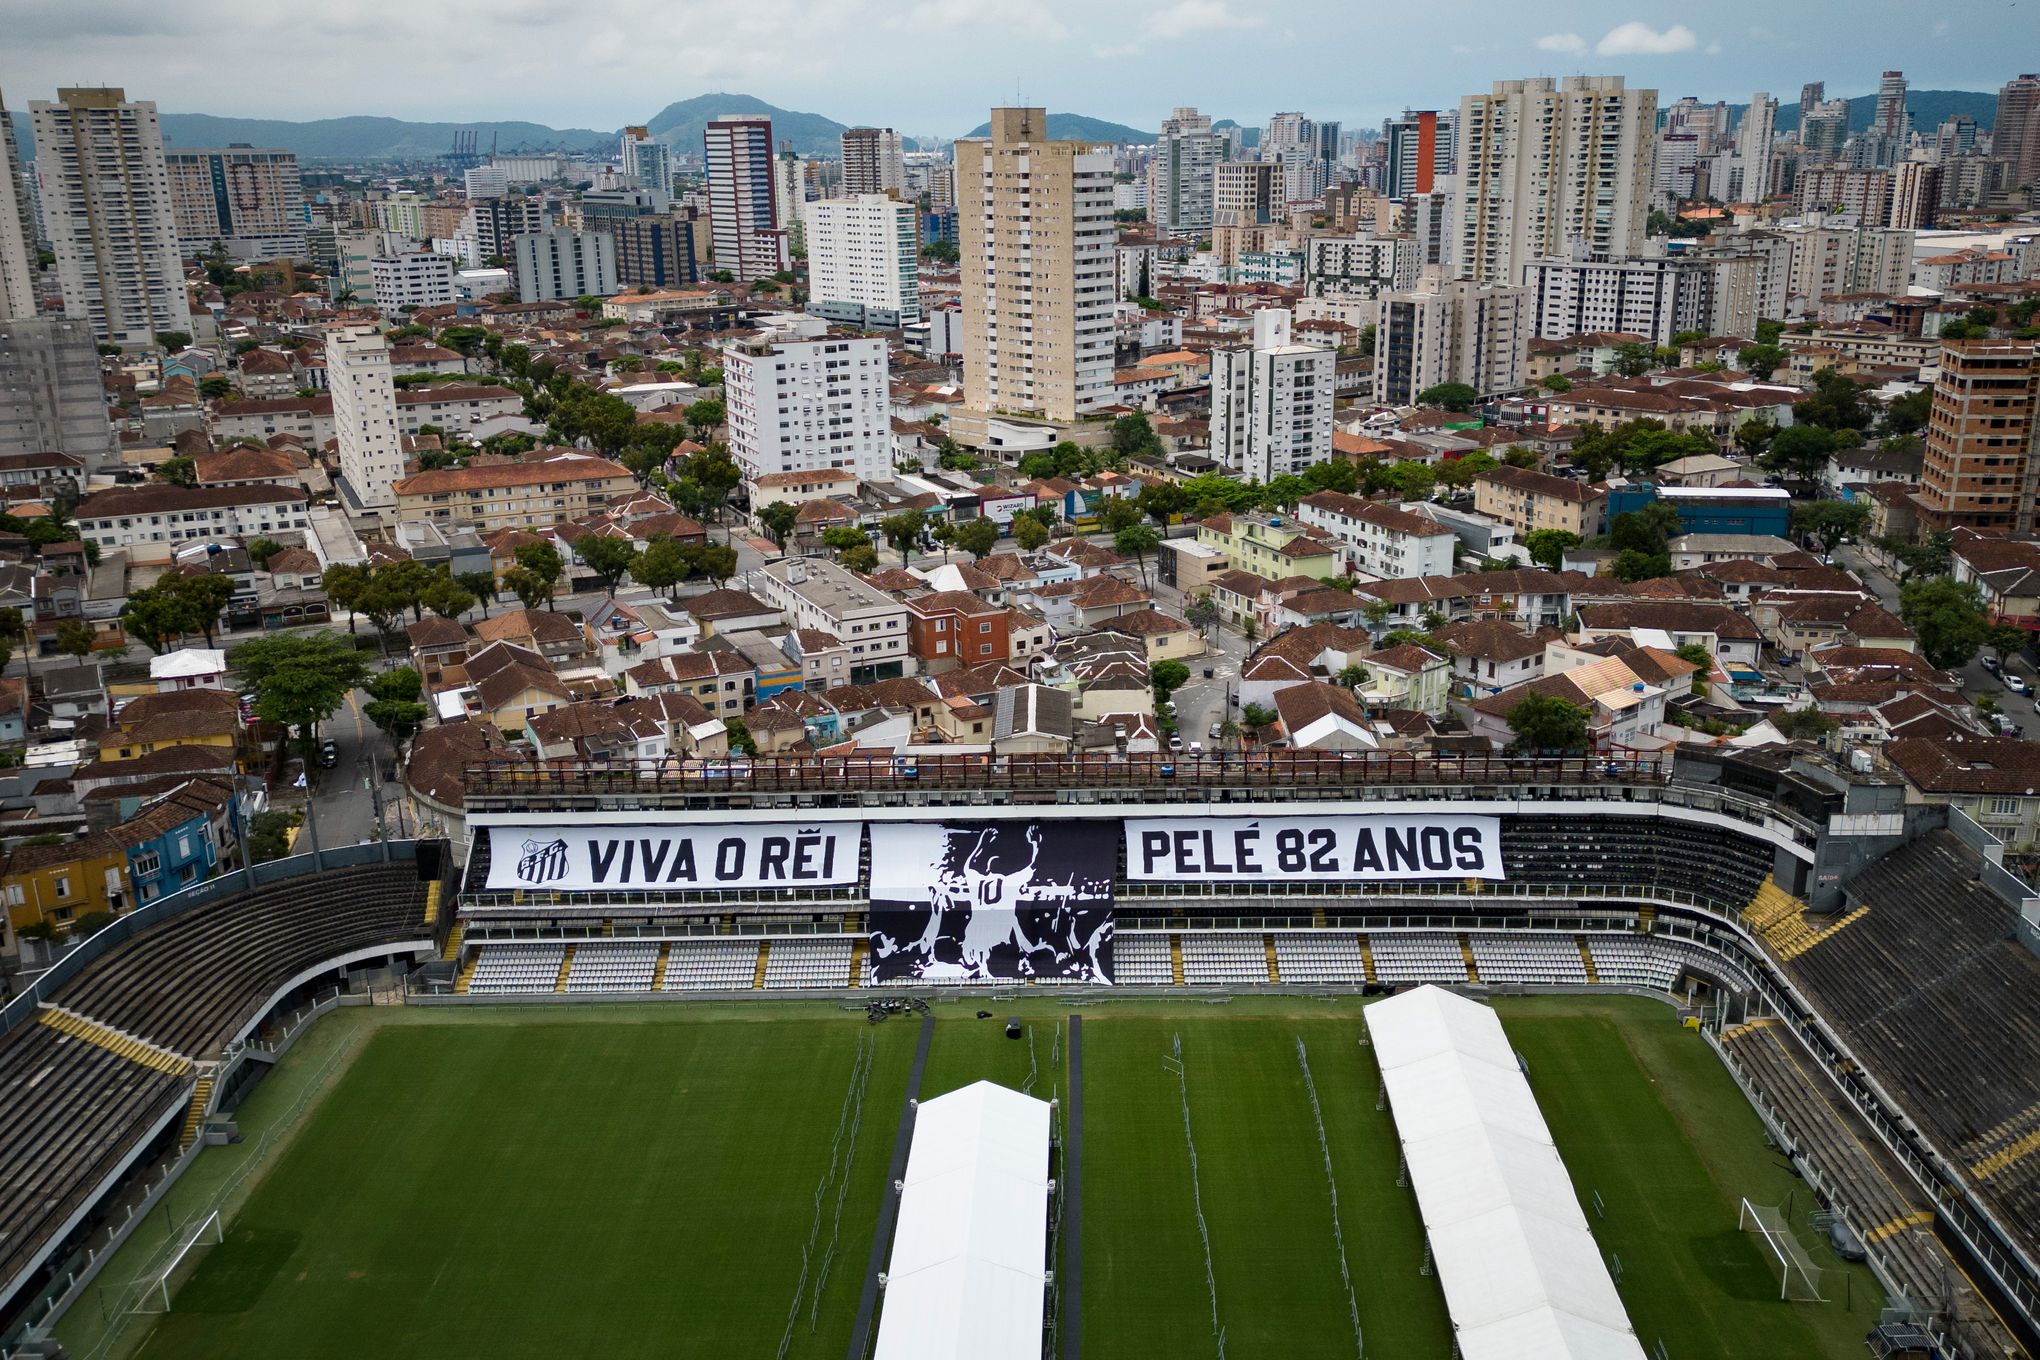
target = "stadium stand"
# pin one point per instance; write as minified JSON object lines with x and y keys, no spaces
{"x":1529,"y":958}
{"x":1402,"y":957}
{"x":1219,"y":959}
{"x":1930,"y":987}
{"x":711,"y":965}
{"x":517,"y":968}
{"x":807,"y":962}
{"x":613,"y":967}
{"x":1141,"y":959}
{"x":101,"y":1057}
{"x":1326,"y":956}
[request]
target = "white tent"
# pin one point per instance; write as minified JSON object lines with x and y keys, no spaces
{"x":968,"y":1274}
{"x":1523,"y":1278}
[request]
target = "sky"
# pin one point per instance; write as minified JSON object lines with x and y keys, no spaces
{"x":936,"y":66}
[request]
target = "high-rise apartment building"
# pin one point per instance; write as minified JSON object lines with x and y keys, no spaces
{"x":1420,"y":148}
{"x":1915,"y":193}
{"x":790,"y":192}
{"x":365,"y":415}
{"x":647,"y":161}
{"x":106,"y":204}
{"x":1544,"y":163}
{"x":1892,"y":120}
{"x":1825,"y":131}
{"x":804,"y":405}
{"x":1187,"y":153}
{"x":1248,"y":194}
{"x":654,"y":250}
{"x":414,"y":279}
{"x":19,"y":295}
{"x":1753,"y":148}
{"x":2015,"y":136}
{"x":1656,"y":296}
{"x":1811,"y":95}
{"x":485,"y":181}
{"x":561,"y":263}
{"x":248,"y":199}
{"x":864,"y":261}
{"x":1450,"y":332}
{"x":1271,"y":402}
{"x":873,"y":162}
{"x":493,"y":223}
{"x":1981,"y":471}
{"x":750,"y":239}
{"x":1035,"y":217}
{"x":50,"y":398}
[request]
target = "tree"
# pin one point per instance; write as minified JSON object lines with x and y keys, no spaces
{"x":1801,"y":452}
{"x":480,"y":584}
{"x":1836,"y":404}
{"x":1257,"y":719}
{"x":2005,"y":639}
{"x":173,"y":341}
{"x":1459,"y":473}
{"x":343,"y":583}
{"x":1163,"y":501}
{"x":716,"y":561}
{"x":299,"y":679}
{"x":405,"y":580}
{"x":526,"y":586}
{"x":541,"y":562}
{"x":779,"y":517}
{"x":215,"y":387}
{"x":269,"y":835}
{"x":76,"y":638}
{"x":1931,"y":558}
{"x":1948,"y":618}
{"x":1137,"y":541}
{"x":1829,"y":521}
{"x":1633,"y":359}
{"x":1754,"y":436}
{"x":664,"y":564}
{"x":1546,"y":723}
{"x":1558,"y":384}
{"x":1133,"y":436}
{"x":976,"y":536}
{"x":704,"y":416}
{"x":156,"y":616}
{"x":447,"y":598}
{"x":863,"y":557}
{"x":1118,"y":512}
{"x":1547,"y":547}
{"x":177,"y":472}
{"x":1201,"y":613}
{"x":1166,"y":677}
{"x":904,"y":531}
{"x":394,"y":706}
{"x":1761,"y":361}
{"x":205,"y":595}
{"x":611,"y":559}
{"x":1029,"y":533}
{"x":1453,"y":396}
{"x":1334,"y":474}
{"x":1412,"y":480}
{"x":1908,"y":414}
{"x":260,"y":550}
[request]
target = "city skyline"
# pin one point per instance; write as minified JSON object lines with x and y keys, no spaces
{"x":1124,"y":60}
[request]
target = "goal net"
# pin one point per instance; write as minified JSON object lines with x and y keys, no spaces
{"x":1798,"y":1276}
{"x":153,"y":1294}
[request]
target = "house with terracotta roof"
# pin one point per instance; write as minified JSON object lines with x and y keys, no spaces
{"x":509,"y":683}
{"x":1527,"y":500}
{"x":1380,"y":540}
{"x":2006,"y":571}
{"x":1407,"y":676}
{"x":1995,"y":781}
{"x":552,"y":635}
{"x":1729,"y":636}
{"x":1624,"y":711}
{"x":1271,"y":546}
{"x":951,"y":628}
{"x":546,"y":487}
{"x":1166,"y":637}
{"x":1491,"y":655}
{"x":1317,"y":716}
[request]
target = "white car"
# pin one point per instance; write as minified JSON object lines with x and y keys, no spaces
{"x":2017,"y":684}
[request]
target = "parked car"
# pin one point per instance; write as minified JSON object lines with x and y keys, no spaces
{"x":1175,"y":741}
{"x":329,"y":754}
{"x":1217,"y":727}
{"x":1990,"y":663}
{"x":2017,"y":684}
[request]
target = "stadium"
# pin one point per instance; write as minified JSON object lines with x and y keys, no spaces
{"x":1393,"y":1055}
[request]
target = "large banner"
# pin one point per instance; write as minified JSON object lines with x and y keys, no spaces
{"x":1312,"y":849}
{"x":980,"y":901}
{"x":647,"y":858}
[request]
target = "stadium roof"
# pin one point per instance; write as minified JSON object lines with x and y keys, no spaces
{"x":969,"y":1257}
{"x":1522,"y":1276}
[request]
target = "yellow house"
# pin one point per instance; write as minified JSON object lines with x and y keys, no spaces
{"x":1270,"y":546}
{"x":150,"y":723}
{"x":1166,"y":637}
{"x":1528,"y":500}
{"x":60,"y":883}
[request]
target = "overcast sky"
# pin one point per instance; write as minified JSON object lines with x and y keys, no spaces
{"x":935,"y":66}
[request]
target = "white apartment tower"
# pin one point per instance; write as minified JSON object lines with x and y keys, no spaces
{"x":1542,"y":163}
{"x":804,"y":405}
{"x":1753,"y":147}
{"x":562,"y":263}
{"x":17,"y":231}
{"x":1442,"y":332}
{"x":1038,"y":258}
{"x":647,"y":162}
{"x":750,"y":239}
{"x":1271,"y":403}
{"x":414,"y":279}
{"x":1180,"y":186}
{"x":873,"y":162}
{"x":365,"y":414}
{"x":107,"y":207}
{"x":864,"y":257}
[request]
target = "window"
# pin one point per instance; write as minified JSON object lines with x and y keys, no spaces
{"x":63,"y":885}
{"x":2004,"y":807}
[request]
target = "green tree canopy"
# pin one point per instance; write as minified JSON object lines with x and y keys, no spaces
{"x":1948,"y":618}
{"x":1544,"y":724}
{"x":1030,"y":533}
{"x":903,"y":531}
{"x":541,"y":563}
{"x":976,"y":536}
{"x":1830,"y":521}
{"x":779,"y":518}
{"x":299,"y":680}
{"x":1801,"y":452}
{"x":1547,"y":547}
{"x":1453,"y":396}
{"x":611,"y":559}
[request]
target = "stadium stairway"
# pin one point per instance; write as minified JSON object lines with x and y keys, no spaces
{"x":860,"y":947}
{"x":194,"y":1118}
{"x":432,"y":891}
{"x":467,"y":973}
{"x":113,"y":1041}
{"x":453,"y":938}
{"x":1367,"y":960}
{"x":566,"y":967}
{"x":1274,"y":968}
{"x":758,"y":974}
{"x":1466,"y":952}
{"x":1587,"y":959}
{"x":2012,"y":1142}
{"x":659,"y":971}
{"x":1176,"y":959}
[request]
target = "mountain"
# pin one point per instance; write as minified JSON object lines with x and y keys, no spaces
{"x":1929,"y":109}
{"x":1074,"y":127}
{"x":1249,"y":136}
{"x":682,"y":125}
{"x":369,"y":138}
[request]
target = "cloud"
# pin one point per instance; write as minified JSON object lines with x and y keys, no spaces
{"x":1197,"y":16}
{"x":1638,"y":39}
{"x":1570,"y":43}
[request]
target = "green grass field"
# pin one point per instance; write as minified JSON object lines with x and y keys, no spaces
{"x":642,"y":1180}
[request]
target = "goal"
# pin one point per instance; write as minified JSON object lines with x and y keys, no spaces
{"x":1798,"y":1276}
{"x":154,"y":1296}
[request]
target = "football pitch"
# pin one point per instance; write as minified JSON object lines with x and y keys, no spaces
{"x":641,"y":1180}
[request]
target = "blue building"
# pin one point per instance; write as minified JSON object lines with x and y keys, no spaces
{"x":178,"y":840}
{"x":940,"y":225}
{"x":1714,"y":509}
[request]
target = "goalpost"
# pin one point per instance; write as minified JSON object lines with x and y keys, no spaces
{"x":155,"y":1296}
{"x":1798,"y":1276}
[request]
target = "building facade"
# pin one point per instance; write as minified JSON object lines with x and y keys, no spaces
{"x":873,"y":162}
{"x":50,"y":397}
{"x":1980,"y":471}
{"x":363,"y":389}
{"x":248,"y":199}
{"x":538,"y":491}
{"x":107,"y":208}
{"x":564,"y":264}
{"x":1181,"y":176}
{"x":18,"y":268}
{"x":798,"y":406}
{"x":1271,"y":402}
{"x":1658,"y":297}
{"x":404,"y":283}
{"x":1457,"y":332}
{"x":864,"y":261}
{"x":1038,"y":263}
{"x":750,"y":240}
